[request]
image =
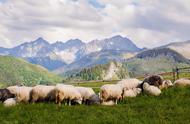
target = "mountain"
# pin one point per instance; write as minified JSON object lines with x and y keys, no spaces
{"x":95,"y":58}
{"x":154,"y":61}
{"x":50,"y":56}
{"x":72,"y":53}
{"x":109,"y":71}
{"x":18,"y":71}
{"x":114,"y":43}
{"x":180,"y":47}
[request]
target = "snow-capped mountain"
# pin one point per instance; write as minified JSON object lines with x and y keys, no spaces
{"x":61,"y":54}
{"x":114,"y":43}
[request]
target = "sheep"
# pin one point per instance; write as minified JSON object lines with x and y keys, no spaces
{"x":132,"y":92}
{"x":94,"y":99}
{"x":86,"y":93}
{"x":9,"y":102}
{"x":22,"y":93}
{"x":166,"y":84}
{"x":111,"y":92}
{"x":155,"y":80}
{"x":129,"y":83}
{"x":13,"y":89}
{"x":182,"y":82}
{"x":152,"y":90}
{"x":5,"y":94}
{"x":108,"y":103}
{"x":42,"y":93}
{"x":67,"y":92}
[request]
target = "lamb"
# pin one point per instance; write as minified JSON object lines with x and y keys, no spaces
{"x":9,"y":102}
{"x":129,"y":83}
{"x":155,"y":80}
{"x":22,"y":93}
{"x":86,"y":93}
{"x":182,"y":82}
{"x":152,"y":90}
{"x":43,"y":93}
{"x":5,"y":94}
{"x":67,"y":92}
{"x":132,"y":92}
{"x":166,"y":84}
{"x":111,"y":92}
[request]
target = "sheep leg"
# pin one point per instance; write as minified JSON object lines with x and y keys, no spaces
{"x":116,"y":101}
{"x":69,"y":102}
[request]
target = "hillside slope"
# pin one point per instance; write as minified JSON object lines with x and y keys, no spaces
{"x":18,"y":71}
{"x":180,"y":47}
{"x":109,"y":71}
{"x":155,"y":61}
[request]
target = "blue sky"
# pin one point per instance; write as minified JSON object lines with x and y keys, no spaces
{"x":148,"y":23}
{"x":96,"y":4}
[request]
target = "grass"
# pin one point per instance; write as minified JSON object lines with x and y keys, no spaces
{"x":172,"y":106}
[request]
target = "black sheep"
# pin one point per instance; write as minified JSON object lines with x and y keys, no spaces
{"x":5,"y":94}
{"x":155,"y":80}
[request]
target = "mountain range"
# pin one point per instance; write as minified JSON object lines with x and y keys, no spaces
{"x":72,"y":54}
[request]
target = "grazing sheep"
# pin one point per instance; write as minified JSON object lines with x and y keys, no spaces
{"x":22,"y":93}
{"x":86,"y":93}
{"x":166,"y":84}
{"x":43,"y":93}
{"x":155,"y":80}
{"x":67,"y":92}
{"x":182,"y":82}
{"x":13,"y":89}
{"x":152,"y":90}
{"x":108,"y":103}
{"x":9,"y":102}
{"x":94,"y":99}
{"x":132,"y":92}
{"x":111,"y":92}
{"x":129,"y":83}
{"x":5,"y":94}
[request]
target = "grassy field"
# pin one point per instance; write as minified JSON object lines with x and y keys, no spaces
{"x":172,"y":106}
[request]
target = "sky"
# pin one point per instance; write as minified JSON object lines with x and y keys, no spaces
{"x":148,"y":23}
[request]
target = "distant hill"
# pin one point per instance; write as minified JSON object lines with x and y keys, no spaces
{"x":155,"y":61}
{"x":180,"y":47}
{"x":110,"y":71}
{"x":18,"y":71}
{"x":153,"y":53}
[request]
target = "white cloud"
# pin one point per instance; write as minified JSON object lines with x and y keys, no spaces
{"x":148,"y":23}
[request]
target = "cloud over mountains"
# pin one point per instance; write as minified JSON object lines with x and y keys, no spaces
{"x":147,"y":23}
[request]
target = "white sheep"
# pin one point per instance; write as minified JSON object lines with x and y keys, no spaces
{"x":129,"y":83}
{"x":43,"y":93}
{"x":132,"y":92}
{"x":9,"y":102}
{"x":111,"y":92}
{"x":150,"y":89}
{"x":22,"y":93}
{"x":85,"y":92}
{"x":182,"y":82}
{"x":166,"y":84}
{"x":67,"y":92}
